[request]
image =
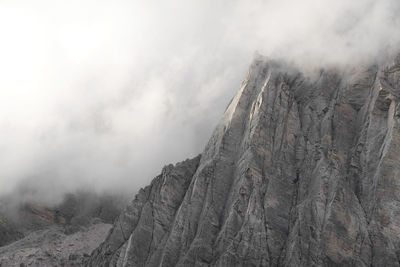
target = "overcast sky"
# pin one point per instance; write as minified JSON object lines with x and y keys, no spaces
{"x":103,"y":93}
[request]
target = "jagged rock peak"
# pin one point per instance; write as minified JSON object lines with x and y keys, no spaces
{"x":301,"y":171}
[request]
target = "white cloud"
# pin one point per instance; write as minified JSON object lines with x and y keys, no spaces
{"x":103,"y":93}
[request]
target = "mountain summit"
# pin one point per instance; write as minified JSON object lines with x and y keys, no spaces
{"x":301,"y":171}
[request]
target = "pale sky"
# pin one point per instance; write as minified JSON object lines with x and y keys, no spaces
{"x":102,"y":94}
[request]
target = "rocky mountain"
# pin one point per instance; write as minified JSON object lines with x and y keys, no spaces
{"x":302,"y":170}
{"x":35,"y":234}
{"x":52,"y":246}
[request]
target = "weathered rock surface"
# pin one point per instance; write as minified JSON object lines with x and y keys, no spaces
{"x":301,"y":171}
{"x":52,"y":247}
{"x":33,"y":234}
{"x":8,"y":233}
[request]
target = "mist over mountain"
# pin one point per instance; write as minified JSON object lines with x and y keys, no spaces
{"x":300,"y":171}
{"x":299,"y":167}
{"x":101,"y":94}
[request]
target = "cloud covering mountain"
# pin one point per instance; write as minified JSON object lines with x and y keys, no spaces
{"x":101,"y":94}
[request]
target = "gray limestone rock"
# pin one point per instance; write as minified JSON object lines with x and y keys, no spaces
{"x":301,"y":171}
{"x":52,"y":247}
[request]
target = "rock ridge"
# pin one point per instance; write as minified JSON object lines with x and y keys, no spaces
{"x":300,"y":171}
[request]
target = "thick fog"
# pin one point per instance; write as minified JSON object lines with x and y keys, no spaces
{"x":100,"y":94}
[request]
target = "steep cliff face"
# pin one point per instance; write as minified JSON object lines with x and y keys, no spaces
{"x":301,"y":171}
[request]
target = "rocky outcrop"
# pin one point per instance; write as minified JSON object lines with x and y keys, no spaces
{"x":8,"y":233}
{"x":302,"y":170}
{"x":32,"y":234}
{"x":145,"y":224}
{"x":52,"y":247}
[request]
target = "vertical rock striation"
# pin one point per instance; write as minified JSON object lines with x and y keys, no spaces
{"x":301,"y":171}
